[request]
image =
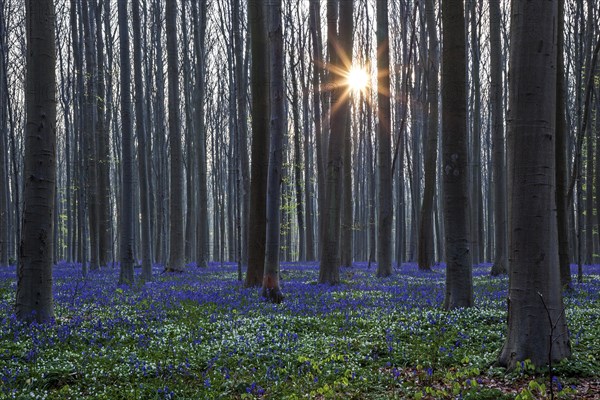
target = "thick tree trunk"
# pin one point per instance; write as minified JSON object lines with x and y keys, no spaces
{"x":34,"y":273}
{"x":459,"y":285}
{"x":537,"y":328}
{"x":259,"y":82}
{"x":498,"y":155}
{"x":270,"y":285}
{"x":329,"y":271}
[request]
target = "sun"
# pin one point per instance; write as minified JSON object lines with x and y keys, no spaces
{"x":357,"y":79}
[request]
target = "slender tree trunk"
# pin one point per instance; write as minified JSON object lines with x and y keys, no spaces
{"x":498,"y":155}
{"x":426,"y":239}
{"x":89,"y":127}
{"x":241,"y":78}
{"x":34,"y":273}
{"x":384,"y":161}
{"x":146,"y":248}
{"x":459,"y":286}
{"x":102,"y":148}
{"x":127,"y":235}
{"x":199,"y":16}
{"x":537,"y":328}
{"x":259,"y":81}
{"x":176,"y":239}
{"x":476,"y":184}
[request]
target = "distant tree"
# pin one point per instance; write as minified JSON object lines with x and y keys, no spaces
{"x":271,"y":288}
{"x":259,"y":88}
{"x":340,"y":60}
{"x":4,"y":181}
{"x":384,"y":161}
{"x":426,"y":243}
{"x":199,"y":12}
{"x":34,"y":273}
{"x":126,"y":224}
{"x":141,"y":133}
{"x":537,"y":328}
{"x":176,"y":238}
{"x":459,"y":285}
{"x":498,"y":155}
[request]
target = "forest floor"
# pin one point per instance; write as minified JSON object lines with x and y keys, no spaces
{"x":201,"y":335}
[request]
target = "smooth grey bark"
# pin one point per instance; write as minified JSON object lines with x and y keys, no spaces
{"x":319,"y":116}
{"x":141,"y":133}
{"x":347,"y":203}
{"x":270,"y":285}
{"x":241,"y":78}
{"x":561,"y":148}
{"x":104,"y":213}
{"x":535,"y":308}
{"x":498,"y":154}
{"x":259,"y":86}
{"x":340,"y":49}
{"x":176,"y":239}
{"x":89,"y":131}
{"x":199,"y":16}
{"x":475,"y":154}
{"x":459,"y":285}
{"x":426,"y":240}
{"x":126,"y":225}
{"x":34,"y":272}
{"x":297,"y":165}
{"x":384,"y":151}
{"x":5,"y":216}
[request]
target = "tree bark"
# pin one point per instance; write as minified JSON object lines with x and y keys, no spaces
{"x":259,"y":85}
{"x":498,"y":155}
{"x":341,"y":49}
{"x":270,"y":285}
{"x":176,"y":239}
{"x":459,"y":285}
{"x":34,"y":273}
{"x":426,"y":239}
{"x":384,"y":161}
{"x":537,"y":328}
{"x":127,"y":235}
{"x":142,"y":135}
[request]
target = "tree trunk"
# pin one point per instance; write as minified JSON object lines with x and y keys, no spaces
{"x":176,"y":239}
{"x":127,"y":235}
{"x":259,"y":81}
{"x":384,"y":162}
{"x":202,"y":235}
{"x":141,"y":150}
{"x":426,"y":239}
{"x":34,"y":273}
{"x":498,"y":156}
{"x":102,"y":149}
{"x":459,"y":285}
{"x":330,"y":258}
{"x":270,"y":285}
{"x":537,"y":328}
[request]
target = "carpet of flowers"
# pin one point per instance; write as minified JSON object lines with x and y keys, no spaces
{"x":201,"y":335}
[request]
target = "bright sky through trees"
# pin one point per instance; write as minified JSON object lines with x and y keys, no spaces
{"x":357,"y":79}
